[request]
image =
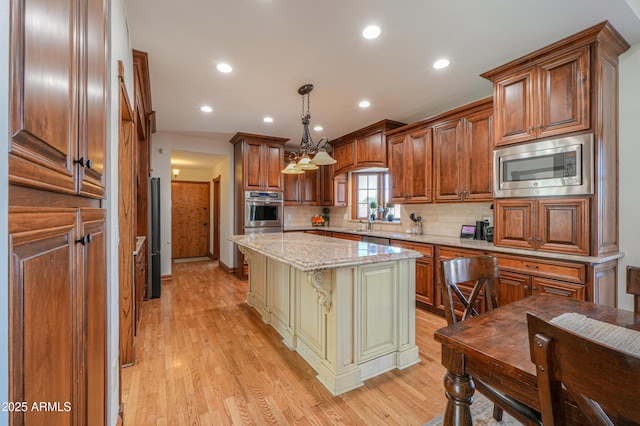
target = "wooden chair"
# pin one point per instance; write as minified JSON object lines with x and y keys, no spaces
{"x":594,"y":376}
{"x":481,"y":273}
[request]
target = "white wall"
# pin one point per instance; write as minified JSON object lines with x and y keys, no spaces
{"x":629,"y":126}
{"x":120,"y":51}
{"x":4,"y":202}
{"x":161,"y":167}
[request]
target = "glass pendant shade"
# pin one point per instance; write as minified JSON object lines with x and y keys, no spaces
{"x":305,"y":163}
{"x":322,"y":158}
{"x":291,"y":169}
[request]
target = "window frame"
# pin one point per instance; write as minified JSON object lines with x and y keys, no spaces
{"x":379,"y":196}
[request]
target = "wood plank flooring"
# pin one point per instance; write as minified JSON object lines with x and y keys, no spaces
{"x":203,"y":357}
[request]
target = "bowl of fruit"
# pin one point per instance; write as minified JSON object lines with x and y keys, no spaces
{"x":317,"y":221}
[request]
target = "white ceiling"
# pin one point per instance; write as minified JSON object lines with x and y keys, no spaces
{"x":275,"y":46}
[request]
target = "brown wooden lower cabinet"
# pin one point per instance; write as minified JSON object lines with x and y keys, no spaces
{"x":345,"y":236}
{"x":58,"y":314}
{"x":425,"y":289}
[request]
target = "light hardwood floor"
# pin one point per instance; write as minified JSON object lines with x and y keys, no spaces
{"x":203,"y":357}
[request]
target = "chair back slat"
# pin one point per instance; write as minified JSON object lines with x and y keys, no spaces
{"x":479,"y":272}
{"x":601,"y":380}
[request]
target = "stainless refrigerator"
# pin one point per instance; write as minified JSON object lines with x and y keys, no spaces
{"x":154,"y":236}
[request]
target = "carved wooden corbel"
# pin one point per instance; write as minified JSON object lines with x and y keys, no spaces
{"x":315,"y":279}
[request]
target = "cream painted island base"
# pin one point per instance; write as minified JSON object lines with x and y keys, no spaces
{"x":349,"y":312}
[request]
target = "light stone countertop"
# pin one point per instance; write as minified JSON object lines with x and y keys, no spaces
{"x":463,"y":243}
{"x":308,"y":252}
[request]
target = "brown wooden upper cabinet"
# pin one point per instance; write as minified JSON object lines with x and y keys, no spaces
{"x":463,"y":157}
{"x":549,"y":98}
{"x":58,"y":125}
{"x":556,"y":225}
{"x":410,"y":166}
{"x":313,"y":188}
{"x":363,"y":148}
{"x":261,"y":159}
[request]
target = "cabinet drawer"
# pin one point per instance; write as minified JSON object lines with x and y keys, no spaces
{"x":573,"y":272}
{"x":542,"y":285}
{"x":453,"y":252}
{"x":352,"y":237}
{"x":425,"y":249}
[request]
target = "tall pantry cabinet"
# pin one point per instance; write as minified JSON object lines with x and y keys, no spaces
{"x":57,"y":237}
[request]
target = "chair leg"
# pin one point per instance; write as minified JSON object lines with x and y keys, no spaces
{"x":497,"y":413}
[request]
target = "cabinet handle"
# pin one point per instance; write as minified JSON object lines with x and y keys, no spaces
{"x":84,"y":163}
{"x":531,"y":266}
{"x":85,"y":239}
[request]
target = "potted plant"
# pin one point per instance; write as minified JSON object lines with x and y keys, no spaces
{"x":325,"y":215}
{"x":373,"y":205}
{"x":390,"y":216}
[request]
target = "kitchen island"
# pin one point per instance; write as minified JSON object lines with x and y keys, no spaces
{"x":348,"y":308}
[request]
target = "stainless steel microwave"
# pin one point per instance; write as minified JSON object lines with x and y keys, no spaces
{"x":562,"y":166}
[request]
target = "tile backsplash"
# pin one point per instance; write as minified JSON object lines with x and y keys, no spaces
{"x":437,"y":219}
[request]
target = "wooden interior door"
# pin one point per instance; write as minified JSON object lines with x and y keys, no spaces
{"x":189,"y":219}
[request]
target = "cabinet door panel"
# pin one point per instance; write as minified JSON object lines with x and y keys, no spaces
{"x":44,"y":312}
{"x":291,"y":190}
{"x":563,"y":225}
{"x":512,"y":287}
{"x":310,"y":188}
{"x":345,"y":156}
{"x":544,"y":285}
{"x":341,"y":190}
{"x":424,"y":281}
{"x":515,"y":108}
{"x":419,"y":144}
{"x":273,"y":164}
{"x":398,"y":168}
{"x":447,"y":146}
{"x":514,"y":223}
{"x":370,"y":151}
{"x":92,"y":267}
{"x":253,"y":164}
{"x":93,"y":135}
{"x":44,"y":105}
{"x":478,"y":154}
{"x":564,"y":94}
{"x":326,"y":185}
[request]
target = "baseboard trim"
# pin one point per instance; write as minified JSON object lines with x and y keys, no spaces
{"x":226,"y":268}
{"x":166,"y":277}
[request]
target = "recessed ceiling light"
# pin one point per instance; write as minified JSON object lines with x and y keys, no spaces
{"x":268,"y":120}
{"x":371,"y":32}
{"x":224,"y":68}
{"x":364,"y":104}
{"x":206,"y":108}
{"x":441,"y":63}
{"x":317,"y":128}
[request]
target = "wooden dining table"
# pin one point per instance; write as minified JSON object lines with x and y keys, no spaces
{"x":494,"y":348}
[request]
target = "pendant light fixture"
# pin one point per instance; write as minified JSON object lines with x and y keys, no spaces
{"x":309,"y":155}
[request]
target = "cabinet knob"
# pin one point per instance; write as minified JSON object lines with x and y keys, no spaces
{"x":84,"y":162}
{"x":535,"y":288}
{"x":539,"y":239}
{"x":539,"y":126}
{"x":530,"y":128}
{"x":85,"y":239}
{"x":526,"y":287}
{"x":530,"y":238}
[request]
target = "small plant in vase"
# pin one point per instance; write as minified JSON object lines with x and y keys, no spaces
{"x":325,"y":215}
{"x":373,"y":205}
{"x":388,"y":213}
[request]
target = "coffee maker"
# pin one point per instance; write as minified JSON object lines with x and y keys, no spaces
{"x":483,"y":231}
